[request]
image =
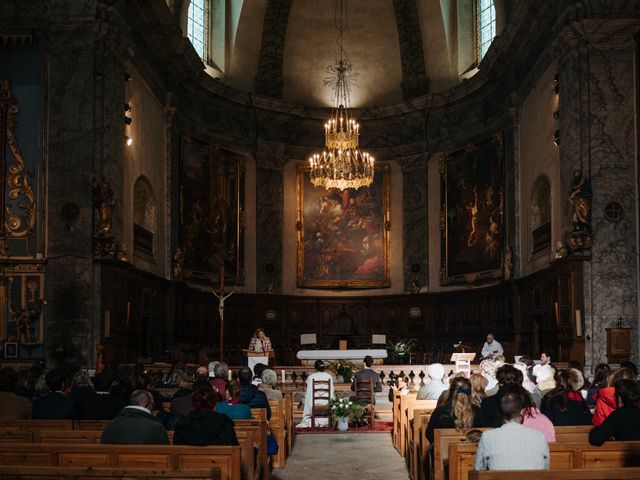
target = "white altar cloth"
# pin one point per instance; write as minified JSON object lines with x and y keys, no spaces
{"x":341,"y":354}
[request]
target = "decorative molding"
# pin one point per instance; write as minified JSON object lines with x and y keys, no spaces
{"x":17,"y":180}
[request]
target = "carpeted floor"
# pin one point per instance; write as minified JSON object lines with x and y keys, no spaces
{"x":379,"y":427}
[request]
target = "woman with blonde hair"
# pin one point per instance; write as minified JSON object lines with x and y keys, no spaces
{"x":457,"y":411}
{"x":478,"y":386}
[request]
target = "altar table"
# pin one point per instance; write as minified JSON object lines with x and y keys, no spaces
{"x":356,"y":356}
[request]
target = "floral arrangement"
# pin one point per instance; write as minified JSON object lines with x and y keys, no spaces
{"x":402,"y":347}
{"x":342,"y":368}
{"x":343,"y":407}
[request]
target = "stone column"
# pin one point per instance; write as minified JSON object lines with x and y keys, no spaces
{"x":596,"y":138}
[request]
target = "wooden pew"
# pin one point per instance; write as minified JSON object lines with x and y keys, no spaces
{"x":90,"y":424}
{"x":417,"y":446}
{"x":248,"y":438}
{"x":404,"y":401}
{"x":259,"y":413}
{"x":278,"y":428}
{"x":227,"y":459}
{"x":263,"y":459}
{"x":288,"y":416}
{"x":570,"y":455}
{"x":395,"y":432}
{"x":37,"y":424}
{"x":15,"y":435}
{"x":407,"y":418}
{"x":80,"y":473}
{"x":444,"y":437}
{"x":570,"y":474}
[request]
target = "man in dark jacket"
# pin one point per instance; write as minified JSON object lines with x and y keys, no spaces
{"x":135,"y":424}
{"x":623,"y":423}
{"x":368,"y":374}
{"x":55,"y":405}
{"x":249,"y":393}
{"x":100,"y":405}
{"x":505,"y":375}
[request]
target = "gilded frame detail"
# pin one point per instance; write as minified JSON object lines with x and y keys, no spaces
{"x":472,"y":213}
{"x":342,"y":235}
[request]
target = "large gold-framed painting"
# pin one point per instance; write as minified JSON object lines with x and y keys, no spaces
{"x":343,"y":236}
{"x":472,"y":213}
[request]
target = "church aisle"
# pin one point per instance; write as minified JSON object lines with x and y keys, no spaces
{"x":343,"y":456}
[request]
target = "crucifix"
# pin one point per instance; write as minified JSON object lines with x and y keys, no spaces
{"x":221,"y":298}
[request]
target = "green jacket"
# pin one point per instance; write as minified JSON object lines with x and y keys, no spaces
{"x":134,"y":426}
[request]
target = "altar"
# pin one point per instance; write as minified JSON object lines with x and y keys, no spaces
{"x":308,"y":357}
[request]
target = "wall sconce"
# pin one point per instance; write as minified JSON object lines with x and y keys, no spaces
{"x":556,"y":85}
{"x":556,"y":114}
{"x":556,"y":138}
{"x":128,"y":140}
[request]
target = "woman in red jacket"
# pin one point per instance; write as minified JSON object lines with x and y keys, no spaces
{"x":606,"y":398}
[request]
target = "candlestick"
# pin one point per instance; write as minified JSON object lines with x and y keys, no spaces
{"x":283,"y":377}
{"x":230,"y":375}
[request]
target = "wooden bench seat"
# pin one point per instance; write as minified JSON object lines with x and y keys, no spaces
{"x":563,"y":456}
{"x":169,"y":457}
{"x":248,"y":438}
{"x":81,"y":473}
{"x":278,"y":428}
{"x":446,"y":436}
{"x":571,"y":474}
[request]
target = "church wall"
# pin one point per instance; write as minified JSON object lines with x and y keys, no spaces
{"x":145,"y":157}
{"x":538,"y":156}
{"x":304,"y":73}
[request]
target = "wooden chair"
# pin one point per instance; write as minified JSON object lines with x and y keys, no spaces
{"x":320,"y":396}
{"x":365,"y":393}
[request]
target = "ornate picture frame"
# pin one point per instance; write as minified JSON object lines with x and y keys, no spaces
{"x":343,"y":237}
{"x":472,"y":217}
{"x":212,"y":209}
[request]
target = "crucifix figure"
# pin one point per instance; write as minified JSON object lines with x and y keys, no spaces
{"x":221,"y":299}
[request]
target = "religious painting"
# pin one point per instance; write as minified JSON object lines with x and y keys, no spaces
{"x":472,"y":213}
{"x":343,"y":235}
{"x":22,"y":298}
{"x":211,"y":226}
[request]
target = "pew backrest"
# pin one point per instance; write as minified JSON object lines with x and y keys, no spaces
{"x":563,"y":456}
{"x":80,"y":473}
{"x":570,"y":474}
{"x":227,"y":459}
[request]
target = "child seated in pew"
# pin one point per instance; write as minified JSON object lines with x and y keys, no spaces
{"x":624,"y":422}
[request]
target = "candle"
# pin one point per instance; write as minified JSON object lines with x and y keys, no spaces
{"x":283,"y":377}
{"x":230,"y":375}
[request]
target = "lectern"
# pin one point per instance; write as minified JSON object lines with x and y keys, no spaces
{"x":462,"y":362}
{"x":253,"y":358}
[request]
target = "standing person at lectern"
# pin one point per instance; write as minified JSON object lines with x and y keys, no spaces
{"x":260,"y":342}
{"x":491,"y":347}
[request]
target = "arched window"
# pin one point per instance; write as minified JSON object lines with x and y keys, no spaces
{"x":198,"y":27}
{"x":144,"y":217}
{"x":540,"y":216}
{"x":485,"y":26}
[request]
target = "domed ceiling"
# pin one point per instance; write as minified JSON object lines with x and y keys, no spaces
{"x":282,"y":48}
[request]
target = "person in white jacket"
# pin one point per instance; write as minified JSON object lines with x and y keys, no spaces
{"x":319,"y":374}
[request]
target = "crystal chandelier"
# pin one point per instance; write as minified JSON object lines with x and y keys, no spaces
{"x":342,"y":164}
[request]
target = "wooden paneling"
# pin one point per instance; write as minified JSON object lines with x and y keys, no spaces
{"x":171,"y":317}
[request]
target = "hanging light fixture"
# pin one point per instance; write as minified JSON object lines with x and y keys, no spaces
{"x":342,"y":164}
